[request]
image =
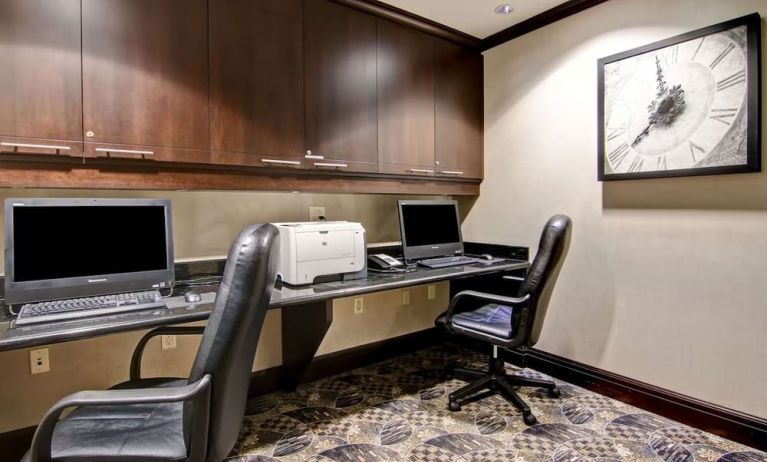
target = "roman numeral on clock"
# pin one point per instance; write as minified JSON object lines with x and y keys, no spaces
{"x":723,"y":115}
{"x":636,"y":164}
{"x":700,"y":44}
{"x":694,"y":147}
{"x":673,"y":55}
{"x":735,"y":79}
{"x":614,"y":133}
{"x":722,"y":55}
{"x":618,"y":154}
{"x":662,"y":163}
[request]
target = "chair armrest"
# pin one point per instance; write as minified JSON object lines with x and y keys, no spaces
{"x":512,"y":301}
{"x":41,"y":442}
{"x":135,"y":362}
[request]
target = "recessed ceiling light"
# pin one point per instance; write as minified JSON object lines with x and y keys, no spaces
{"x":503,"y":9}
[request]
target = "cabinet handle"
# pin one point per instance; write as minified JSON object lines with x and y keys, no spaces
{"x":125,"y":151}
{"x":451,"y":172}
{"x":420,"y":170}
{"x":36,"y":146}
{"x":309,"y":155}
{"x":282,"y":162}
{"x":330,"y":165}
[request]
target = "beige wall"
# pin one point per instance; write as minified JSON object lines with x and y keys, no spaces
{"x":204,"y":225}
{"x":665,"y":281}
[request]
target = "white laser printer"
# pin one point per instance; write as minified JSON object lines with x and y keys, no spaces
{"x":320,"y":250}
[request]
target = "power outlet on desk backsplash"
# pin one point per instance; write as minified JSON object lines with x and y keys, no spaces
{"x":39,"y":361}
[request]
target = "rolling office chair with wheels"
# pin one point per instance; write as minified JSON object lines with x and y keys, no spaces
{"x":510,"y":322}
{"x":195,"y":419}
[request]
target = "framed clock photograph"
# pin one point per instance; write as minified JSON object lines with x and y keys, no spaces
{"x":688,"y":105}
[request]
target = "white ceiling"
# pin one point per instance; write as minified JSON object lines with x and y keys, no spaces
{"x":475,"y":17}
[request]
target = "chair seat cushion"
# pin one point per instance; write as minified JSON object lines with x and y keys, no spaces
{"x":491,"y":319}
{"x":141,"y":432}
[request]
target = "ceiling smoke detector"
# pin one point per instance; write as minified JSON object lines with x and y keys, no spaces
{"x":503,"y":9}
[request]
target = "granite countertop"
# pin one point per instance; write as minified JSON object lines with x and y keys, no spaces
{"x":203,"y":277}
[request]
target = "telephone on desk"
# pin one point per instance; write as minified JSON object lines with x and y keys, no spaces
{"x":383,"y":262}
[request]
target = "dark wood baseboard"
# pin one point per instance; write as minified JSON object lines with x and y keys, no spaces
{"x":727,"y":423}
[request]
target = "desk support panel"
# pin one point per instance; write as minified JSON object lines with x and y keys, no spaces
{"x":303,"y":328}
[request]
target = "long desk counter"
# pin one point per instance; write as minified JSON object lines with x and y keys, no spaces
{"x":307,"y":311}
{"x":179,"y":311}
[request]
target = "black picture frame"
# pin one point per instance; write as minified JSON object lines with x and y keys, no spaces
{"x":753,"y":100}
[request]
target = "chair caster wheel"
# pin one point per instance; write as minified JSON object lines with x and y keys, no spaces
{"x":555,"y":392}
{"x":529,"y":419}
{"x":453,"y":406}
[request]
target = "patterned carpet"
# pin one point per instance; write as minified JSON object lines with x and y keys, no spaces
{"x":396,"y":411}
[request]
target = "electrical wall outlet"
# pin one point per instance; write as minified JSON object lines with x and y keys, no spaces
{"x":432,"y":292}
{"x":359,"y":305}
{"x":406,"y":297}
{"x":39,"y":361}
{"x":316,"y":212}
{"x":168,"y":342}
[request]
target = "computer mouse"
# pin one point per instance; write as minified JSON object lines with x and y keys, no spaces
{"x":486,"y":256}
{"x":192,"y":297}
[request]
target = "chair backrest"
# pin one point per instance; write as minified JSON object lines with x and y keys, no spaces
{"x":543,"y":273}
{"x":228,"y":346}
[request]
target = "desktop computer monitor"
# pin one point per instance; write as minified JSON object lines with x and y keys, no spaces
{"x":430,"y":229}
{"x":67,"y":248}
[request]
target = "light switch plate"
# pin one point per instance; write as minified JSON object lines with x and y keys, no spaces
{"x":359,"y":305}
{"x":406,"y":297}
{"x":432,"y":292}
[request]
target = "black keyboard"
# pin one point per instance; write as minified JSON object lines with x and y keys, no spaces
{"x":74,"y":308}
{"x":443,"y":262}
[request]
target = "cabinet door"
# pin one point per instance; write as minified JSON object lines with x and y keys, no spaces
{"x":40,"y":79}
{"x":340,"y":82}
{"x":257,"y":80}
{"x":145,"y":76}
{"x":405,"y":100}
{"x":459,"y":110}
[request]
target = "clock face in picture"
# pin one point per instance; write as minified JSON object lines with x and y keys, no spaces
{"x":679,"y":107}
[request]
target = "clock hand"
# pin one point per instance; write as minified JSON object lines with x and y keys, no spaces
{"x":641,"y":135}
{"x":666,"y":106}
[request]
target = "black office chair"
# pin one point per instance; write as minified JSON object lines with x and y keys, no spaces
{"x":163,"y":419}
{"x":509,"y":322}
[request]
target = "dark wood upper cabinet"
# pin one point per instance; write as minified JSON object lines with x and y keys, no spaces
{"x":145,"y":76}
{"x":256,"y":80}
{"x":459,"y":110}
{"x":40,"y":79}
{"x":405,"y":100}
{"x":340,"y":82}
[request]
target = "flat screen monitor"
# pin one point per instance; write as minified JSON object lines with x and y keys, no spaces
{"x":65,"y":248}
{"x":430,"y":229}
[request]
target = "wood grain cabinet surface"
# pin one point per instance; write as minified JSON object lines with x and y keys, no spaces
{"x":145,"y":78}
{"x":257,"y":81}
{"x":458,"y":111}
{"x":405,"y":100}
{"x":340,"y":82}
{"x":40,"y":78}
{"x":298,"y":90}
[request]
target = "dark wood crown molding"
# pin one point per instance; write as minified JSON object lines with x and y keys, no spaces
{"x":394,"y":14}
{"x":398,"y":15}
{"x":552,"y":15}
